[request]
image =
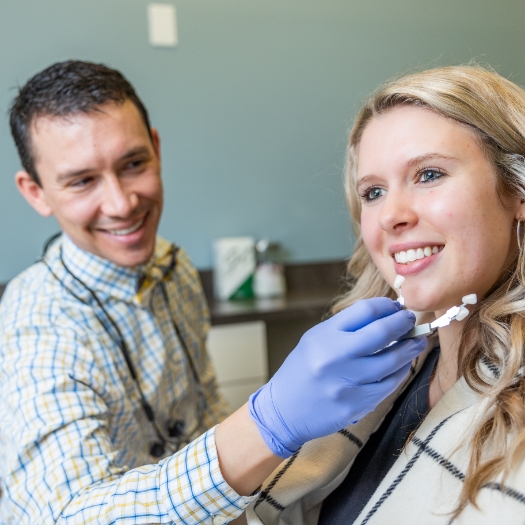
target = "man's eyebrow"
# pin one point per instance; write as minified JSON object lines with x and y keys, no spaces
{"x":64,"y":177}
{"x":140,"y":150}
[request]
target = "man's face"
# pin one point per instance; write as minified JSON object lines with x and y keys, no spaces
{"x":100,"y":176}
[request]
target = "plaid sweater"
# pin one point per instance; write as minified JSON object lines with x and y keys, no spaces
{"x":421,"y":488}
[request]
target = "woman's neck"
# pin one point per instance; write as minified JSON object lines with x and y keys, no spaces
{"x":446,"y":373}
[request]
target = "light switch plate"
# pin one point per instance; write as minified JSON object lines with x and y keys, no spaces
{"x":162,"y":23}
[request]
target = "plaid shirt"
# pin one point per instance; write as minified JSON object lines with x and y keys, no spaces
{"x":74,"y":439}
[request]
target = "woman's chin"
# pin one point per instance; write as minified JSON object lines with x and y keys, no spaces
{"x":422,"y":305}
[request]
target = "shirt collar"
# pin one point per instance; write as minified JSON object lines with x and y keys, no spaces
{"x":121,"y":282}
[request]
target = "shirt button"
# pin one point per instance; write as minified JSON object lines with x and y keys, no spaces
{"x":218,"y":520}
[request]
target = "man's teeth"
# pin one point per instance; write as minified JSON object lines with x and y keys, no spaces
{"x":129,"y":230}
{"x":413,"y":255}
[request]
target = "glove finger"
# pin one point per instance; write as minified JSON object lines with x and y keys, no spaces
{"x":377,"y":367}
{"x":363,"y":313}
{"x":380,"y":333}
{"x":371,"y":395}
{"x":375,"y":393}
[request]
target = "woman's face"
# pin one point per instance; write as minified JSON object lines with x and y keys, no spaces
{"x":428,"y":191}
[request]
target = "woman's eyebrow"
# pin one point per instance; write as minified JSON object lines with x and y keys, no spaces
{"x":414,"y":161}
{"x":365,"y":180}
{"x":428,"y":156}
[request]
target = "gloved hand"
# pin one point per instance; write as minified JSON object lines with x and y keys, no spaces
{"x":334,"y":377}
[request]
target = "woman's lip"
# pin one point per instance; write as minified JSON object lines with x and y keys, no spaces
{"x":395,"y":248}
{"x":416,"y":266}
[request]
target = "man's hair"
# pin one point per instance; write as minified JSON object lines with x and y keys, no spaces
{"x":64,"y":89}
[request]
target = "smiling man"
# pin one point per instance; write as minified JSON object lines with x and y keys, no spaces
{"x":108,"y":400}
{"x":104,"y":339}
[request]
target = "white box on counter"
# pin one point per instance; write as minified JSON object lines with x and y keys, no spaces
{"x":233,"y":267}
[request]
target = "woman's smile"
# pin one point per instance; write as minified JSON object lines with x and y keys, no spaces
{"x":412,"y":258}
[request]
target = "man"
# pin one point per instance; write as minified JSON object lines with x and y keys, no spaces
{"x":104,"y":376}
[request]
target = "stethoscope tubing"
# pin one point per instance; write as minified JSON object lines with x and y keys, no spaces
{"x":172,"y":444}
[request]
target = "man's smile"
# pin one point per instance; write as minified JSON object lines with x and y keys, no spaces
{"x":125,"y":231}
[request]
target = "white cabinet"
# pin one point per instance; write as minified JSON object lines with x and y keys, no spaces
{"x":239,"y":354}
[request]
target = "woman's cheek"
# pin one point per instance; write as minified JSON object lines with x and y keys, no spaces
{"x":371,"y":233}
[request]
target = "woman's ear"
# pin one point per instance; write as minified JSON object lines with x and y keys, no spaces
{"x":32,"y":193}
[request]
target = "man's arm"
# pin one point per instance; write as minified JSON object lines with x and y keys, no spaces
{"x":244,"y":458}
{"x":63,"y":467}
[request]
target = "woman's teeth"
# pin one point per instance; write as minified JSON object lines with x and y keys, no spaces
{"x":129,"y":230}
{"x":413,"y":255}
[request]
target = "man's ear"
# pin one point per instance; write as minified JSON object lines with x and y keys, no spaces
{"x":156,"y":141}
{"x":33,"y":193}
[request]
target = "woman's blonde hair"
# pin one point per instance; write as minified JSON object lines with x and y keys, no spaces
{"x":493,"y":108}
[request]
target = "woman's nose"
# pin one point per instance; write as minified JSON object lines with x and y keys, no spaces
{"x":118,"y":200}
{"x":397,"y":212}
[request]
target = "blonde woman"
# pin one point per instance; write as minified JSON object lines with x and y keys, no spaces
{"x":435,"y":181}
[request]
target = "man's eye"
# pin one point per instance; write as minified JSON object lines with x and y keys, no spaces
{"x":135,"y":164}
{"x":371,"y":194}
{"x":80,"y":183}
{"x":429,"y":175}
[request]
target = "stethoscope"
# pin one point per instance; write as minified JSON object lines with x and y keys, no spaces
{"x":176,"y":434}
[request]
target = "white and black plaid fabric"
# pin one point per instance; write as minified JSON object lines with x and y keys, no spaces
{"x":421,"y":488}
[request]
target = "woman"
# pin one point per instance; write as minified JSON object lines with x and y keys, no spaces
{"x":435,"y":180}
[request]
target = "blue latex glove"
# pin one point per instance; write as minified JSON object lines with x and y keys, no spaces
{"x":334,"y":377}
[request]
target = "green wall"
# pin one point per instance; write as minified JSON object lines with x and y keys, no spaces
{"x":253,"y":106}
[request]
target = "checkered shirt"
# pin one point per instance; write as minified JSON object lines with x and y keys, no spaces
{"x":74,"y":439}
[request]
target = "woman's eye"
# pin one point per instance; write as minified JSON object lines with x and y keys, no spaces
{"x":429,"y":175}
{"x":371,"y":194}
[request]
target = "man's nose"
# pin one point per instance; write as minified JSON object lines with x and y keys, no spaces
{"x":118,"y":200}
{"x":397,"y":212}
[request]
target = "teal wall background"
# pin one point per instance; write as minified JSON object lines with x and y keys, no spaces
{"x":253,"y":106}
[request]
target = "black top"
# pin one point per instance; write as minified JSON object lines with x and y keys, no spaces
{"x":380,"y":452}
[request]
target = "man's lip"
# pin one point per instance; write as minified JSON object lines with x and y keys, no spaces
{"x":123,"y":227}
{"x":403,"y":247}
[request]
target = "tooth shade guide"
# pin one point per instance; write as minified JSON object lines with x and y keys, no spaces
{"x":470,"y":299}
{"x":398,"y":281}
{"x":463,"y":312}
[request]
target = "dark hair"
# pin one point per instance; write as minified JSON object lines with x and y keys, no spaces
{"x":63,"y":89}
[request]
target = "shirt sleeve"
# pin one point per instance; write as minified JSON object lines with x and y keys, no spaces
{"x":59,"y":463}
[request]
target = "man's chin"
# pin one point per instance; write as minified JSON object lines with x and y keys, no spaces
{"x":131,"y":258}
{"x":127,"y":256}
{"x":130,"y":250}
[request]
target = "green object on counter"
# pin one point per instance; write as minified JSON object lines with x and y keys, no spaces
{"x":245,"y":291}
